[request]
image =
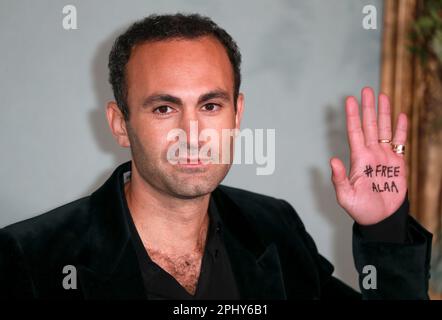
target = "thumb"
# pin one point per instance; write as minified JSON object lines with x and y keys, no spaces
{"x":340,"y":180}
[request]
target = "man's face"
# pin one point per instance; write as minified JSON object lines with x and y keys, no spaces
{"x":170,"y":85}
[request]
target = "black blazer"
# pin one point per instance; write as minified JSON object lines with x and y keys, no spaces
{"x":272,"y":255}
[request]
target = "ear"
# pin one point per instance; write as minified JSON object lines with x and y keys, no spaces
{"x":239,"y":110}
{"x":117,"y":124}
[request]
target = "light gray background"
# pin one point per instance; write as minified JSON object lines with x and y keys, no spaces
{"x":301,"y":58}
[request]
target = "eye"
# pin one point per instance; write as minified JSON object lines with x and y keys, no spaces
{"x":163,"y":110}
{"x":211,"y":107}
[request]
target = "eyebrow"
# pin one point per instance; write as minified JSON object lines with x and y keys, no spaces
{"x":216,"y":94}
{"x":161,"y":98}
{"x":164,"y":97}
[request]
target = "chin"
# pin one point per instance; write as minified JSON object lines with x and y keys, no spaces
{"x":194,"y":186}
{"x":192,"y":191}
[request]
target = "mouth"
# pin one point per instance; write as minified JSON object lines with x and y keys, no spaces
{"x":193,"y":163}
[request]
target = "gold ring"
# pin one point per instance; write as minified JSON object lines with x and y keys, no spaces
{"x":399,"y":148}
{"x":384,"y":141}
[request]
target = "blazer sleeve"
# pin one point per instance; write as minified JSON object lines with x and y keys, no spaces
{"x":15,"y":279}
{"x":401,"y":270}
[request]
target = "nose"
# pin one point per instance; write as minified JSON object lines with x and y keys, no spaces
{"x":190,"y":124}
{"x":188,"y":120}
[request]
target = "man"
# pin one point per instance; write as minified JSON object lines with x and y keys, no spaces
{"x":164,"y":229}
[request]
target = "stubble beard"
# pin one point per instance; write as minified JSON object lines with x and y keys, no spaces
{"x":179,"y":182}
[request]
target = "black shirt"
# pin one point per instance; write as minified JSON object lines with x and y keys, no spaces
{"x":216,"y":280}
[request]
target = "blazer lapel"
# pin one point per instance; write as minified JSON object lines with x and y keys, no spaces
{"x":256,"y":265}
{"x":124,"y":282}
{"x":109,"y":267}
{"x":257,"y":277}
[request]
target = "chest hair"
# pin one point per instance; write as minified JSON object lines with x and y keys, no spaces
{"x":184,"y":268}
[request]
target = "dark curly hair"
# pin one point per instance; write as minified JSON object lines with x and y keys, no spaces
{"x":162,"y":27}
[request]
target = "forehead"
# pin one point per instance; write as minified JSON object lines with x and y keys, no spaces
{"x":179,"y":65}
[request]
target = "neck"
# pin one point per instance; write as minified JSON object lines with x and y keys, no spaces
{"x":164,"y":222}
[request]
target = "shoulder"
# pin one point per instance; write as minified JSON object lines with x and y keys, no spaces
{"x":57,"y":227}
{"x":262,"y":208}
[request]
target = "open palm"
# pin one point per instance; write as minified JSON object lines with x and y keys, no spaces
{"x":377,"y":184}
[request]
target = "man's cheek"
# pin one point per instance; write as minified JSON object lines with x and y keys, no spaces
{"x":152,"y":148}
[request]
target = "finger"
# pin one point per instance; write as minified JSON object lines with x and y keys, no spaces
{"x":354,"y":130}
{"x":340,"y":180}
{"x":384,"y":119}
{"x":369,"y":123}
{"x":400,"y":134}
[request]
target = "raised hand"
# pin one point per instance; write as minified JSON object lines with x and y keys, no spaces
{"x":377,"y":184}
